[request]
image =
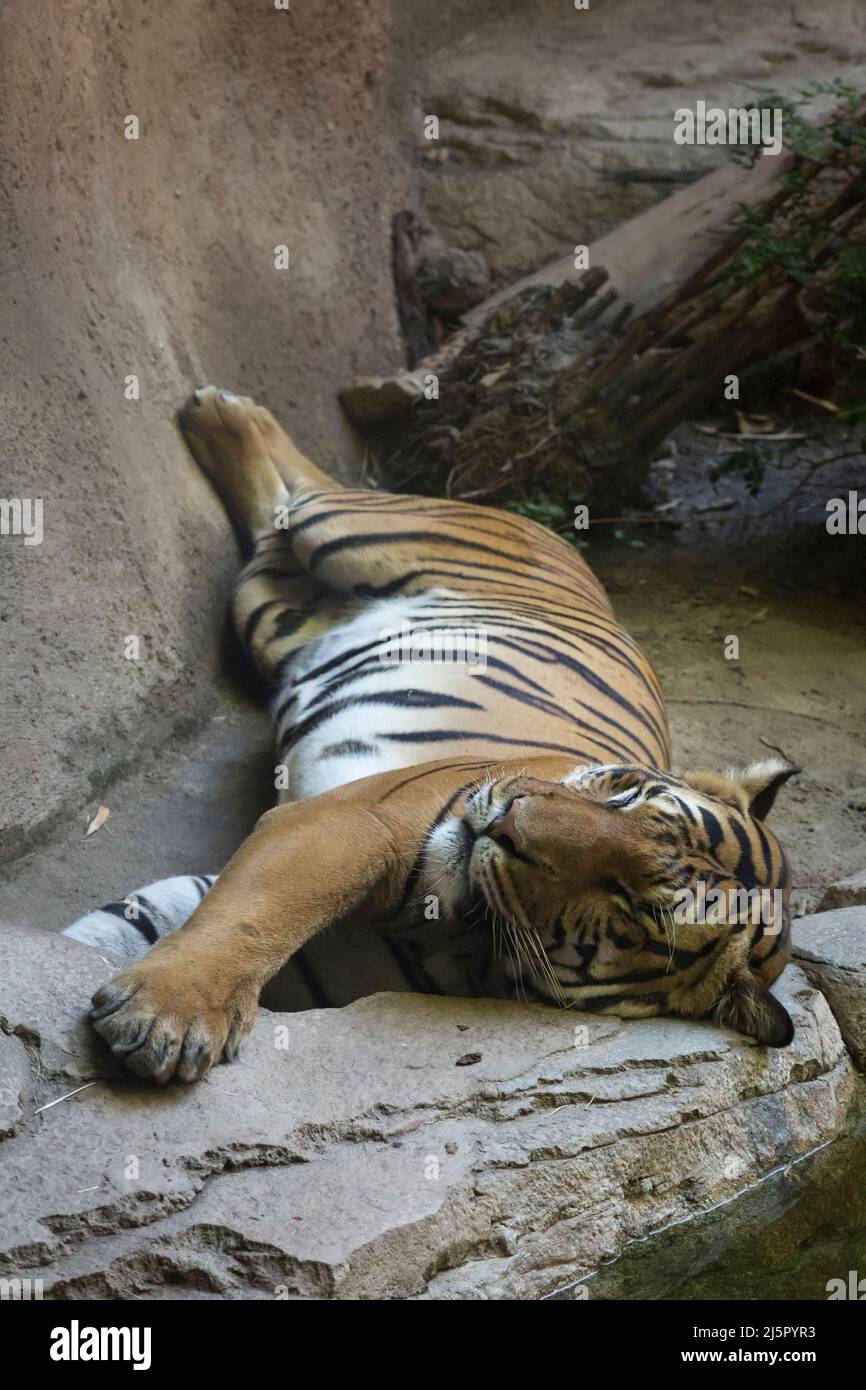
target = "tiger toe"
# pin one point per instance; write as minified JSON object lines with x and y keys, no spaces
{"x":160,"y":1026}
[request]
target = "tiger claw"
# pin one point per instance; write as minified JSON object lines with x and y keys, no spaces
{"x":163,"y":1021}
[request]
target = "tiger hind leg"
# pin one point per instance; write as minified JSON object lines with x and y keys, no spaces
{"x":277,"y":605}
{"x":248,"y":455}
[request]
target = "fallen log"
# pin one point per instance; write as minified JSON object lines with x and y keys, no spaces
{"x":643,"y":260}
{"x":561,"y":387}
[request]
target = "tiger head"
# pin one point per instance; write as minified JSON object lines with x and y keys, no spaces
{"x":633,"y":892}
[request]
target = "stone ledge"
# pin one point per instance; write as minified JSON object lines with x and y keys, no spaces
{"x":361,"y":1160}
{"x":846,"y":892}
{"x":831,"y":949}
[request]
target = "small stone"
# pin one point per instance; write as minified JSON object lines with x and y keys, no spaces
{"x":468,"y":1059}
{"x":450,"y":281}
{"x":847,"y":892}
{"x":373,"y":398}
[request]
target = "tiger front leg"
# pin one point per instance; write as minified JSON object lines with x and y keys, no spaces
{"x":193,"y":998}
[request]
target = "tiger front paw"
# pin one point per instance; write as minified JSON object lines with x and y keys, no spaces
{"x":163,"y":1018}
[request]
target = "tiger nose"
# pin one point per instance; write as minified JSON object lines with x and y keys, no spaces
{"x":503,"y":827}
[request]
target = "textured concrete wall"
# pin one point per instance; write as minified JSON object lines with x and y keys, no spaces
{"x":155,"y":257}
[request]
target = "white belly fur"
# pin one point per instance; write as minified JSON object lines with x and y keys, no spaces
{"x":376,"y":623}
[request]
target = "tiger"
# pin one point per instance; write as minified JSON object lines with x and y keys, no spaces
{"x":489,"y":817}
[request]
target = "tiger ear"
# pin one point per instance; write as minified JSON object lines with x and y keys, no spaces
{"x":753,"y":790}
{"x":761,"y":782}
{"x":748,"y":1006}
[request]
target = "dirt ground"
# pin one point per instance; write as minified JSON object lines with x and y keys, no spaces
{"x":799,"y":687}
{"x":763,"y":569}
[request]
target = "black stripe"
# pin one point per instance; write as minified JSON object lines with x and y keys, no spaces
{"x":479,"y":735}
{"x":431,"y":570}
{"x":338,"y":660}
{"x":349,"y":747}
{"x":255,"y":618}
{"x":272,"y":572}
{"x":745,"y":870}
{"x":369,"y":664}
{"x":648,"y":720}
{"x":391,"y":538}
{"x":547,"y":707}
{"x":713,"y":827}
{"x":141,"y":920}
{"x":524,"y":698}
{"x":464,"y":515}
{"x":367,"y":667}
{"x":577,"y":579}
{"x":429,"y":772}
{"x":550,"y":620}
{"x":415,"y":872}
{"x":765,"y":847}
{"x":554,"y":658}
{"x":399,"y":699}
{"x":584,"y":629}
{"x":282,"y":708}
{"x":681,"y":955}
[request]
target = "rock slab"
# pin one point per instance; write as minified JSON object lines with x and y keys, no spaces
{"x":363,"y":1153}
{"x":846,"y":892}
{"x":830,"y":947}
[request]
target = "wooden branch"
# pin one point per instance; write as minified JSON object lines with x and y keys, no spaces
{"x":564,"y":389}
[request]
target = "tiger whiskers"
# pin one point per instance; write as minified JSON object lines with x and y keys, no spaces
{"x":527,"y":950}
{"x":501,"y":922}
{"x":545,"y":969}
{"x":661,"y":913}
{"x":529,"y":936}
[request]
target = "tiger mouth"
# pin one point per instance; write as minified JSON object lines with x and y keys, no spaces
{"x":488,"y":869}
{"x":479,"y":858}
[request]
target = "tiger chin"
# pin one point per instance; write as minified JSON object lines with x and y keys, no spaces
{"x":505,"y":825}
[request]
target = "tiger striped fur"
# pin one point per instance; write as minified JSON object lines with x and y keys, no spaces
{"x":507,"y":824}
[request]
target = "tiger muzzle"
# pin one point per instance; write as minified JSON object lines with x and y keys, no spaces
{"x":503,"y":828}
